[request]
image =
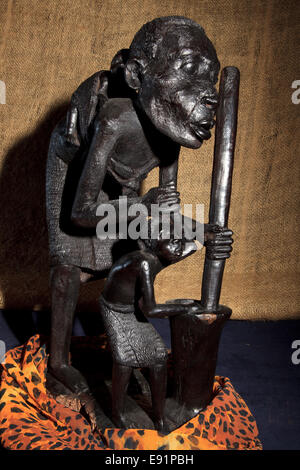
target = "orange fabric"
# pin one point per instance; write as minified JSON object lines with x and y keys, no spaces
{"x":29,"y":419}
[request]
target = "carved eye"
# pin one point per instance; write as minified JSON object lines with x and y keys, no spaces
{"x":189,"y":67}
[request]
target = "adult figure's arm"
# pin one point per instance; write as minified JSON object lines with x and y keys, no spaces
{"x":90,"y":184}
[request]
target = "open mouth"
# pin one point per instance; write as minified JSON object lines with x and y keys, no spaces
{"x":202,"y":130}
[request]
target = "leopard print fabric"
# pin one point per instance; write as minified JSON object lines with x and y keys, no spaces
{"x":30,"y":419}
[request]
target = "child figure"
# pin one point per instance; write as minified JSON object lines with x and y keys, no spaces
{"x":127,"y":299}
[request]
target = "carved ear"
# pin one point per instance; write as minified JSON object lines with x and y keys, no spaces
{"x":133,"y":74}
{"x":119,"y":61}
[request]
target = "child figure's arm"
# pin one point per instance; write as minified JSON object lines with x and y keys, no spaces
{"x":148,"y":303}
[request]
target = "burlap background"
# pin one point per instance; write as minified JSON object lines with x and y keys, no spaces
{"x":48,"y":47}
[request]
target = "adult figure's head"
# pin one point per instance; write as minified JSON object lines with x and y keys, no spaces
{"x":173,"y":67}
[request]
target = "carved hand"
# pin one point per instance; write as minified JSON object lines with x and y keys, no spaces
{"x":165,"y":196}
{"x":218,"y":242}
{"x":168,"y":198}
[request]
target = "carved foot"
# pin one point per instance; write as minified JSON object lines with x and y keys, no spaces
{"x":99,"y":421}
{"x":123,"y":421}
{"x":162,"y":427}
{"x":70,"y":378}
{"x":179,"y":414}
{"x":62,"y":386}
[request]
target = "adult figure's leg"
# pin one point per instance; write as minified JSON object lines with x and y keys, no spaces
{"x":65,"y":282}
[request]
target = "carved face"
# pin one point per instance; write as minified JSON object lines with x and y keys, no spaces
{"x":170,"y":250}
{"x":174,"y":250}
{"x":176,"y":88}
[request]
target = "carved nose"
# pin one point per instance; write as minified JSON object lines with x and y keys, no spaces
{"x":211,"y":102}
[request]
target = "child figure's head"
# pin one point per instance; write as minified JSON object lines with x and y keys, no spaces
{"x":170,"y":250}
{"x":174,"y":250}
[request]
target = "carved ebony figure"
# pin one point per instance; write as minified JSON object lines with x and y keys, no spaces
{"x":160,"y":94}
{"x":127,"y":299}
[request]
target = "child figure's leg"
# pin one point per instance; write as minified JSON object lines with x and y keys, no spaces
{"x":158,"y":385}
{"x":120,"y":380}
